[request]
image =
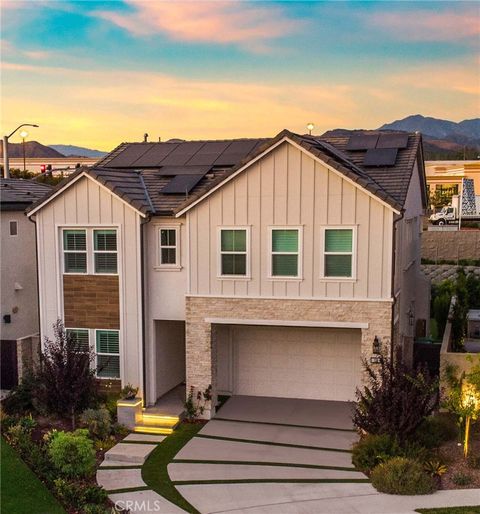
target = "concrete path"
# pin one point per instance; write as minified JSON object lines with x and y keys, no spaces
{"x":281,"y":434}
{"x":114,"y":479}
{"x":204,"y":449}
{"x":288,"y":411}
{"x":299,"y":498}
{"x":144,"y":502}
{"x":130,"y":453}
{"x":143,"y":438}
{"x":191,"y":472}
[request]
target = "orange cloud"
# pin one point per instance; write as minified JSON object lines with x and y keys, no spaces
{"x":224,"y":22}
{"x":423,"y":25}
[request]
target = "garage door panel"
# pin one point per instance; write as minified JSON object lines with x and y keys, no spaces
{"x":297,"y":362}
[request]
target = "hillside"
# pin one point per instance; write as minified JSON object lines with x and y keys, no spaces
{"x":78,"y":151}
{"x":32,"y":149}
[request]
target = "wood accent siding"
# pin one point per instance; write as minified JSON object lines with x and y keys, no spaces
{"x":91,"y":301}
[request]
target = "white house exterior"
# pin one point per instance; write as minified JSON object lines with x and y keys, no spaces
{"x":270,"y":271}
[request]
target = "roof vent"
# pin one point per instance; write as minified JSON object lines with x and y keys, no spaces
{"x":176,"y":140}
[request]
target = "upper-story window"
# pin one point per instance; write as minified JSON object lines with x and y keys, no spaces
{"x":169,"y":255}
{"x":13,"y":225}
{"x":75,"y":251}
{"x":338,"y":253}
{"x":285,"y":252}
{"x":234,"y":243}
{"x":90,"y":251}
{"x":105,"y":251}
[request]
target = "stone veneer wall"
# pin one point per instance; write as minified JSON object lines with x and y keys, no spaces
{"x":451,"y":245}
{"x":200,"y":335}
{"x":439,"y":272}
{"x":91,"y":301}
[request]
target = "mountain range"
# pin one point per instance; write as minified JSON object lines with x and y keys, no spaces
{"x":442,"y":140}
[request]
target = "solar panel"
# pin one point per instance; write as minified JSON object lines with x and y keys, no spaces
{"x":380,"y":157}
{"x":209,"y":152}
{"x":235,"y":152}
{"x":182,"y":184}
{"x":155,"y":155}
{"x":182,"y":153}
{"x":392,"y":141}
{"x":183,"y":170}
{"x":129,"y":155}
{"x":362,"y":142}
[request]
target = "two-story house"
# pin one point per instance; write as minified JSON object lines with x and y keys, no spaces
{"x":266,"y":267}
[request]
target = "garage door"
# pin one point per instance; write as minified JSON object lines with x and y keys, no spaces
{"x":291,"y":362}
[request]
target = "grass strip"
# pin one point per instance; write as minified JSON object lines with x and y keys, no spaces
{"x":137,"y":466}
{"x":271,"y":443}
{"x":276,"y":481}
{"x":154,"y":471}
{"x":21,"y":490}
{"x":128,"y":490}
{"x":282,"y":424}
{"x":256,"y":463}
{"x":475,"y":509}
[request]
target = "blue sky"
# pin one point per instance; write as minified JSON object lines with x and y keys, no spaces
{"x":98,"y":73}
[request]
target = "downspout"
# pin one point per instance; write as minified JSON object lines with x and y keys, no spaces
{"x":142,"y":287}
{"x":37,"y":278}
{"x":394,"y":261}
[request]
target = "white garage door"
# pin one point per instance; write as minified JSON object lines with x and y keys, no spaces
{"x":314,"y":363}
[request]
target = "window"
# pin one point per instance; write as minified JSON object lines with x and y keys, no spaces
{"x":338,"y":253}
{"x":80,"y":336}
{"x":285,"y":248}
{"x":168,"y":247}
{"x":105,"y":251}
{"x":108,"y":353}
{"x":233,"y":252}
{"x":13,"y":228}
{"x":75,"y":251}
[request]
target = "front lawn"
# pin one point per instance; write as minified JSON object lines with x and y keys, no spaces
{"x":21,"y":491}
{"x":452,"y":510}
{"x":154,"y":471}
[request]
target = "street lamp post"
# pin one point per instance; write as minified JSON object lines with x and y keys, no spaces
{"x":6,"y":164}
{"x":23,"y":135}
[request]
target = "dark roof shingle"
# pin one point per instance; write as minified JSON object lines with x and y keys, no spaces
{"x":17,"y":193}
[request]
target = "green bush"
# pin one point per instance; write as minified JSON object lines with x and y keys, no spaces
{"x":436,"y":430}
{"x":72,"y":453}
{"x":98,"y":421}
{"x":462,"y":479}
{"x":22,"y":399}
{"x":371,"y":450}
{"x":79,"y":496}
{"x":402,"y":476}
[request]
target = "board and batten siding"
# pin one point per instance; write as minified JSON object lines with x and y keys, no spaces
{"x":289,"y":187}
{"x":88,"y":204}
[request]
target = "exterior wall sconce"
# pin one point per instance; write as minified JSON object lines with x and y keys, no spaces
{"x":377,"y":346}
{"x":411,"y":317}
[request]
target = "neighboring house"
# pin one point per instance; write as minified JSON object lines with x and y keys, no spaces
{"x":19,"y":297}
{"x":264,"y":267}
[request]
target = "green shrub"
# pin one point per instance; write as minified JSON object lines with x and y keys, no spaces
{"x":461,"y":479}
{"x":98,"y":421}
{"x":79,"y":496}
{"x":69,"y":493}
{"x":72,"y":453}
{"x":22,"y":399}
{"x":402,"y":476}
{"x":92,"y":508}
{"x":94,"y":494}
{"x":27,"y":423}
{"x":436,"y":430}
{"x":371,"y":450}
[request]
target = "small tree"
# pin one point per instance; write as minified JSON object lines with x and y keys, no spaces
{"x":396,"y":400}
{"x":66,"y":378}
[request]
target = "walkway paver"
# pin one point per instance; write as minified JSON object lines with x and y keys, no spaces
{"x":270,"y":498}
{"x":118,"y":463}
{"x":144,"y":502}
{"x":112,"y":479}
{"x":281,"y":434}
{"x":130,"y":452}
{"x":200,"y":448}
{"x":288,"y":411}
{"x":191,"y":472}
{"x":144,"y":438}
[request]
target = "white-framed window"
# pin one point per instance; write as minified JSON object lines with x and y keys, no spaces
{"x":107,"y":345}
{"x":13,"y":226}
{"x":75,"y":250}
{"x":105,"y":251}
{"x":234,"y":250}
{"x":169,"y":247}
{"x":285,"y":246}
{"x":338,"y":252}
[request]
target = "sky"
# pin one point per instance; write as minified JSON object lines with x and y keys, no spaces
{"x":96,"y":74}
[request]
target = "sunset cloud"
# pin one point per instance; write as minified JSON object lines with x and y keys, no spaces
{"x":245,"y":24}
{"x":423,"y":25}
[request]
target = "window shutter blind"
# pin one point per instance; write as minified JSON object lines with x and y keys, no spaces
{"x":234,"y":264}
{"x":75,"y":262}
{"x":338,"y":265}
{"x":105,"y":262}
{"x":285,"y":265}
{"x":234,"y":241}
{"x":106,"y":240}
{"x":107,"y":341}
{"x":338,"y":240}
{"x":108,"y":366}
{"x":74,"y":240}
{"x":80,"y":337}
{"x":285,"y":240}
